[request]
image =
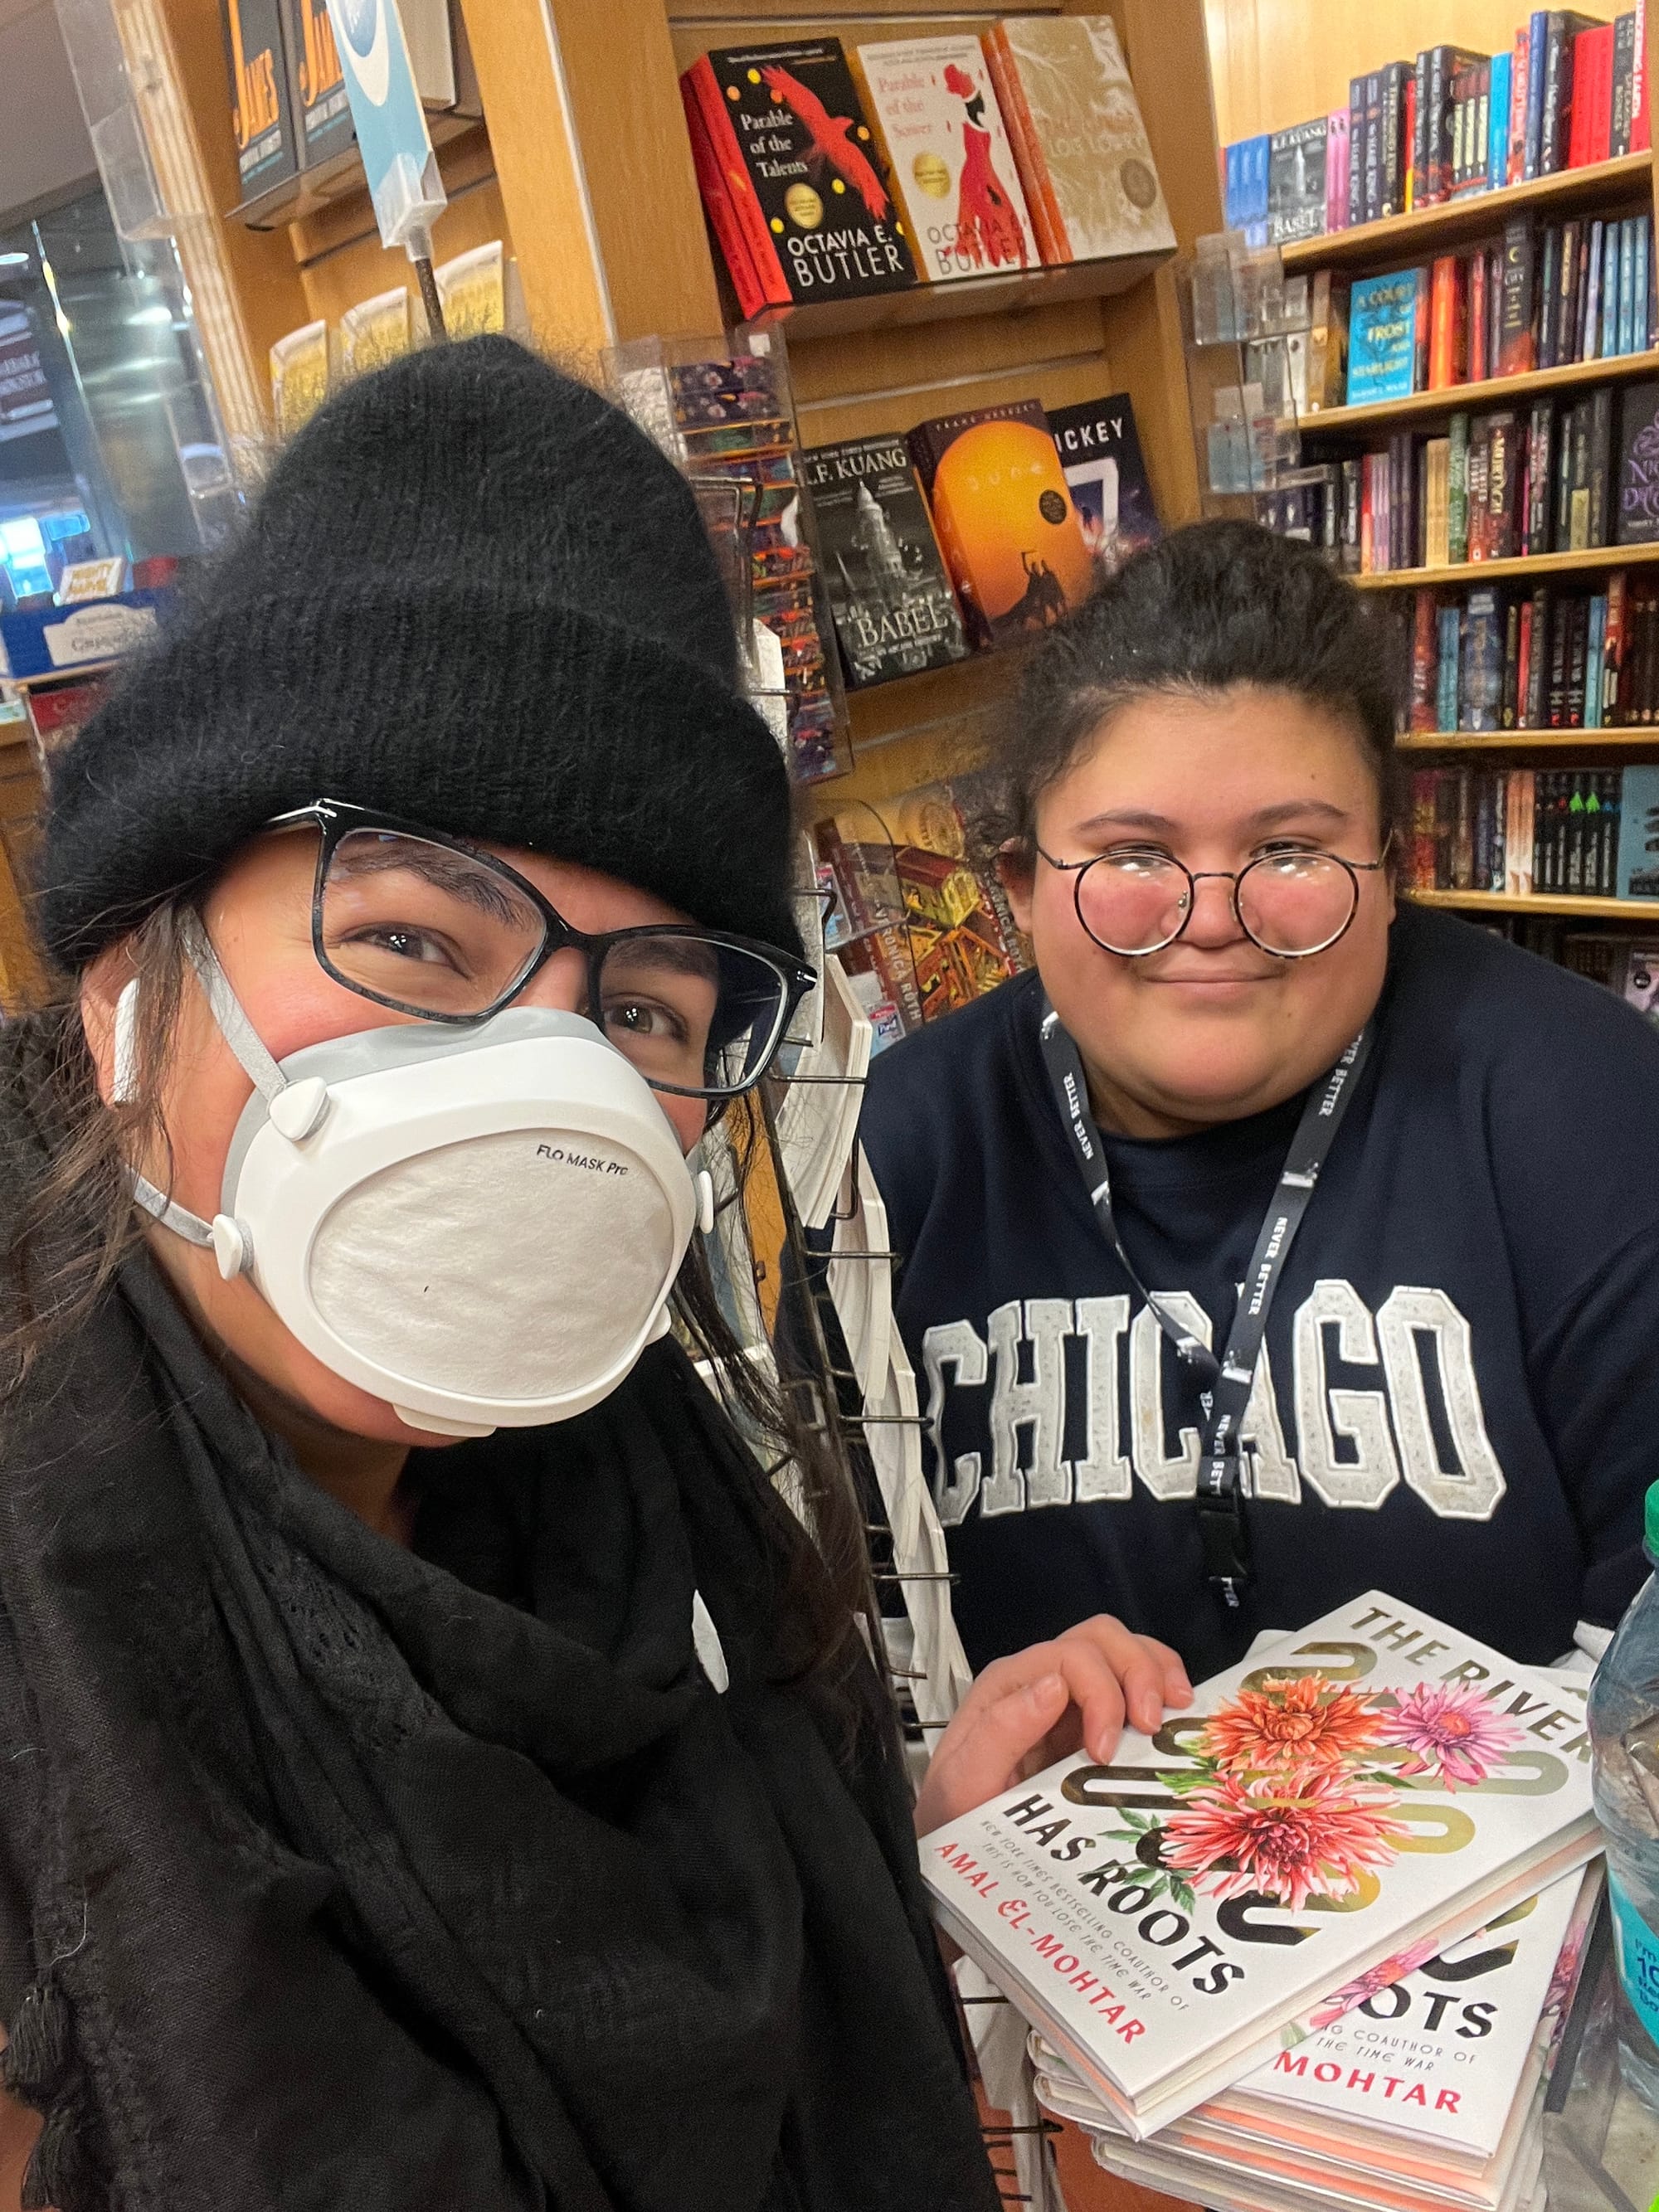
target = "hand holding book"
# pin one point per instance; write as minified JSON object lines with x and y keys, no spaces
{"x":1044,"y":1704}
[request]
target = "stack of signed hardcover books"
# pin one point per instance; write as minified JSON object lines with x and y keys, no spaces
{"x":1308,"y":1944}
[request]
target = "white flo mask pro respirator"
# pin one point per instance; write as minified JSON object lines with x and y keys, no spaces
{"x":481,"y":1226}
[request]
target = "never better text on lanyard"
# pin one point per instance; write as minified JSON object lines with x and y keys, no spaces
{"x":1225,"y":1383}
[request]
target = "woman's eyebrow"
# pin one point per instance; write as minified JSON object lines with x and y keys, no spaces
{"x":1264,"y":818}
{"x":1298,"y":810}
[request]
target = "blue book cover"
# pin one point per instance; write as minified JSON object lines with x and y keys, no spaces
{"x":1538,"y":40}
{"x":1609,"y":344}
{"x":1593,"y":651}
{"x":1446,"y":682}
{"x":1639,"y":287}
{"x":1626,"y":283}
{"x":1498,"y":122}
{"x":1382,"y":337}
{"x":1253,"y":213}
{"x":1233,"y":196}
{"x":1638,"y":834}
{"x":1589,"y":333}
{"x":1482,"y":686}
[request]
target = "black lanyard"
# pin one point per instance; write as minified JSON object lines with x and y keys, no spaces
{"x":1225,"y":1383}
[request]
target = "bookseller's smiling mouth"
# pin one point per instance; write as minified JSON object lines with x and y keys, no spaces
{"x":1226,"y":983}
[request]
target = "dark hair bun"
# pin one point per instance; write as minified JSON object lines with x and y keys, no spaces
{"x":1209,"y":607}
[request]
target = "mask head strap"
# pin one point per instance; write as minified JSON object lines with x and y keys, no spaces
{"x":233,"y":1026}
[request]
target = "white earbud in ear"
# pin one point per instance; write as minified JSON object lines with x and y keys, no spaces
{"x":705,"y":1201}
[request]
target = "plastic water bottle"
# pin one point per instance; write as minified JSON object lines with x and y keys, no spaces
{"x":1624,"y":1725}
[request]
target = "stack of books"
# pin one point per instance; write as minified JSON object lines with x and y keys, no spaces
{"x":1428,"y":2091}
{"x":1337,"y":1813}
{"x":1570,"y":91}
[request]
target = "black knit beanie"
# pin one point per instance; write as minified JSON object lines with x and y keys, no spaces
{"x":472,"y":593}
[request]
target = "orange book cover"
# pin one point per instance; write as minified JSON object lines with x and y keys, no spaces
{"x":1003,"y":513}
{"x":700,"y":84}
{"x":722,"y":216}
{"x":1028,"y":155}
{"x":1447,"y":322}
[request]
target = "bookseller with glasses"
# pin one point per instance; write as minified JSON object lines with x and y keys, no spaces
{"x":437,"y":1766}
{"x":1275,"y":1240}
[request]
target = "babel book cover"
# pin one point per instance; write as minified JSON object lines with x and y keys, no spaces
{"x":820,"y":222}
{"x":1100,"y":451}
{"x":1005,"y":519}
{"x":1376,"y":1780}
{"x":952,"y":166}
{"x":895,"y":611}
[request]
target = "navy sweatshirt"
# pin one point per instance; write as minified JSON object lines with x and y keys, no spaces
{"x":1459,"y":1400}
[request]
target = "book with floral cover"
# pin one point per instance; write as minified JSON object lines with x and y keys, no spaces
{"x":1428,"y":2082}
{"x":1375,"y":1781}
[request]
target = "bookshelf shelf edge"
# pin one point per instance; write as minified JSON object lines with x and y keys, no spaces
{"x":1587,"y":562}
{"x":1456,"y":220}
{"x":1563,"y":904}
{"x":1493,"y":392}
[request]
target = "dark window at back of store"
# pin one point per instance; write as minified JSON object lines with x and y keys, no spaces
{"x":107,"y":445}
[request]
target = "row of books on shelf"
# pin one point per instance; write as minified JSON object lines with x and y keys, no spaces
{"x":1571,"y":91}
{"x":1578,"y":833}
{"x":1543,"y":658}
{"x":1536,"y":299}
{"x":830,"y":174}
{"x":976,"y":530}
{"x":1563,"y":478}
{"x":1393,"y":2053}
{"x":289,"y":112}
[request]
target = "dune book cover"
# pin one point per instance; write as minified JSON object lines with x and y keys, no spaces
{"x":1005,"y":519}
{"x":822,"y":224}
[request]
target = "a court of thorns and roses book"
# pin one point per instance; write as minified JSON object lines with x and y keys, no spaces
{"x":1376,"y":1780}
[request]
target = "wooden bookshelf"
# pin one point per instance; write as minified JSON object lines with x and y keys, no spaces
{"x":1529,"y":741}
{"x":1011,"y":292}
{"x":1593,"y":558}
{"x":1432,"y":230}
{"x":1491,"y":392}
{"x":1566,"y":904}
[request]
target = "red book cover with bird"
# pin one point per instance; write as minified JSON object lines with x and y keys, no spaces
{"x":953,"y":168}
{"x":815,"y":165}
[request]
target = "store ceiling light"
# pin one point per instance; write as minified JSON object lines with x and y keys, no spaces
{"x":14,"y":260}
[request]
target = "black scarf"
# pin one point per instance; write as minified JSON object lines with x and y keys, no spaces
{"x":355,"y":1876}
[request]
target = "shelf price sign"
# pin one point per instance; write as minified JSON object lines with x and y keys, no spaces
{"x":402,"y":169}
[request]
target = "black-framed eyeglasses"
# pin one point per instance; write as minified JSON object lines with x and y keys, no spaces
{"x":429,"y":926}
{"x":1136,"y":899}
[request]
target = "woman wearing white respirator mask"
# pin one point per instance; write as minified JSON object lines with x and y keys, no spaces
{"x":517,"y":1823}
